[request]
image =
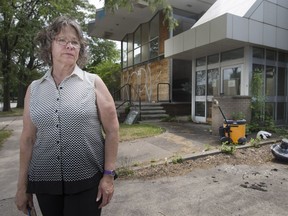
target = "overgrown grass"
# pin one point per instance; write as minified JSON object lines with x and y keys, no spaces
{"x":136,"y":131}
{"x":13,"y":112}
{"x":4,"y":134}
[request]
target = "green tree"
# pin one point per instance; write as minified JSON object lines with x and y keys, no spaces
{"x":20,"y":21}
{"x":103,"y":61}
{"x":113,"y":5}
{"x":102,"y":50}
{"x":110,"y":74}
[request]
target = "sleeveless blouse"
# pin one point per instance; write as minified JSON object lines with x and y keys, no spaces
{"x":68,"y":153}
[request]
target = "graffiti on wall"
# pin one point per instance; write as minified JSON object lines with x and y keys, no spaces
{"x":142,"y":82}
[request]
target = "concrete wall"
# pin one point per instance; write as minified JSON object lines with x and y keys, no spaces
{"x":265,"y":24}
{"x":230,"y":105}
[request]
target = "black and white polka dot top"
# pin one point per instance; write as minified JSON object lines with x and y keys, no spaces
{"x":69,"y":147}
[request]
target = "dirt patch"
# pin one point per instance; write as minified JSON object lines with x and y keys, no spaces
{"x":248,"y":156}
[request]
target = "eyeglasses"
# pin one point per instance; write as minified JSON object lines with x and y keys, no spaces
{"x":63,"y":42}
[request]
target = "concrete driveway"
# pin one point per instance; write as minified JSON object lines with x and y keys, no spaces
{"x":222,"y":190}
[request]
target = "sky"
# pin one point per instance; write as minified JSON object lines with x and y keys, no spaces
{"x":98,"y":3}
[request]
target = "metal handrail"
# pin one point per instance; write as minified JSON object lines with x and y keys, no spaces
{"x":119,"y":91}
{"x":158,"y":84}
{"x":129,"y":100}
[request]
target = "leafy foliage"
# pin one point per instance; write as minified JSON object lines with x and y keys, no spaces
{"x":20,"y":20}
{"x":260,"y":120}
{"x":113,"y":5}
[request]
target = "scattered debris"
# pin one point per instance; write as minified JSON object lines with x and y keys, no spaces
{"x":263,"y":135}
{"x":261,"y":186}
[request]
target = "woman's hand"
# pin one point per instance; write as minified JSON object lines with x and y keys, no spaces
{"x":105,"y":190}
{"x":23,"y":200}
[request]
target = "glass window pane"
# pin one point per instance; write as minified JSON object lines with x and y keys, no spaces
{"x":213,"y":82}
{"x":137,"y":38}
{"x":258,"y":68}
{"x":200,"y":109}
{"x":145,"y":33}
{"x":270,"y":81}
{"x":130,"y":42}
{"x":145,"y":52}
{"x":137,"y":55}
{"x":201,"y":61}
{"x":281,"y":91}
{"x":184,"y":23}
{"x":154,"y":27}
{"x":271,"y":55}
{"x":200,"y":83}
{"x":281,"y":111}
{"x":124,"y":52}
{"x":130,"y":58}
{"x":232,"y":81}
{"x":269,"y":111}
{"x":154,"y":48}
{"x":283,"y":57}
{"x":258,"y":52}
{"x":212,"y":59}
{"x":232,"y":54}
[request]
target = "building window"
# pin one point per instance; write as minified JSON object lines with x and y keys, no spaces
{"x":282,"y":57}
{"x":130,"y":50}
{"x":232,"y":81}
{"x":141,"y":45}
{"x":125,"y":52}
{"x":154,"y":48}
{"x":271,"y":55}
{"x":258,"y":52}
{"x":269,"y":110}
{"x":200,"y":108}
{"x":281,"y":111}
{"x":145,"y":42}
{"x":212,"y":59}
{"x":232,"y":54}
{"x":184,"y":23}
{"x":137,"y":46}
{"x":270,"y":81}
{"x":154,"y":36}
{"x":200,"y":83}
{"x":201,"y":61}
{"x":213,"y":82}
{"x":282,"y":77}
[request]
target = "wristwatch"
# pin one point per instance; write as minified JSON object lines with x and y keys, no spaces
{"x":110,"y":173}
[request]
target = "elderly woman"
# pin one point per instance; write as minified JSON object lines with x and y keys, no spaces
{"x":64,"y":158}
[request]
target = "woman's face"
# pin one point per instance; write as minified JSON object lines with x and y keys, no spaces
{"x":65,"y":47}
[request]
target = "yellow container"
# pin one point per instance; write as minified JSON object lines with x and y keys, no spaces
{"x":237,"y":131}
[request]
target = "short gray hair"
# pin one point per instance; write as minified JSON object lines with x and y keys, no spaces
{"x":46,"y":36}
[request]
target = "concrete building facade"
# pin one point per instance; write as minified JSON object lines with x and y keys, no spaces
{"x":213,"y":53}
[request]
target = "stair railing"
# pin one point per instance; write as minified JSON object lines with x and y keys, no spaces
{"x":129,"y":99}
{"x":118,"y":93}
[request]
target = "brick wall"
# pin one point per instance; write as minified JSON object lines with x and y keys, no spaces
{"x":144,"y":79}
{"x":230,"y":105}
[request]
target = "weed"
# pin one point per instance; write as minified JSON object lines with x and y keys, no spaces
{"x":228,"y":148}
{"x":4,"y":134}
{"x":125,"y":172}
{"x":177,"y":160}
{"x":207,"y":147}
{"x":255,"y":142}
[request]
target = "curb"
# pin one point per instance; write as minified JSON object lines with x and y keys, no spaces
{"x":205,"y":154}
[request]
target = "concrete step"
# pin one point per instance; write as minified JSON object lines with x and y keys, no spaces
{"x":149,"y":111}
